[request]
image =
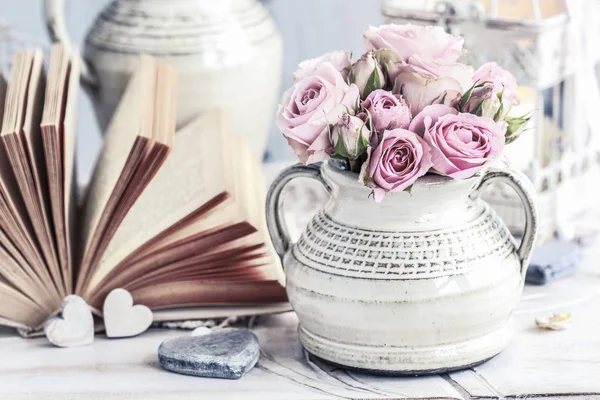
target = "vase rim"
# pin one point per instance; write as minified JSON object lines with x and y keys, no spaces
{"x":336,"y":170}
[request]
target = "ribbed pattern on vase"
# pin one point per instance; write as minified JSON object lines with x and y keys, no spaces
{"x":330,"y":246}
{"x":182,"y":27}
{"x":227,"y":55}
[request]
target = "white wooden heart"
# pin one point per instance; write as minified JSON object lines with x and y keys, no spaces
{"x":73,"y":326}
{"x":122,"y":318}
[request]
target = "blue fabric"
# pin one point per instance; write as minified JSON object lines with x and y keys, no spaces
{"x":551,"y":261}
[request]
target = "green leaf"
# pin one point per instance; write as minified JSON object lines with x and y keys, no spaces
{"x":443,"y":99}
{"x":362,"y":145}
{"x":354,"y":165}
{"x":515,"y":127}
{"x":384,"y":69}
{"x":373,"y":83}
{"x":479,"y":109}
{"x":385,"y":57}
{"x":500,"y":111}
{"x":329,"y":132}
{"x":467,"y":96}
{"x":340,"y":149}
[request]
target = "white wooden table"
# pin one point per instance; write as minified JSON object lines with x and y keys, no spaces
{"x":559,"y":364}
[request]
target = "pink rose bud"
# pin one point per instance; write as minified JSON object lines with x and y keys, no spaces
{"x":396,"y":163}
{"x":367,"y":74}
{"x":482,"y":101}
{"x":503,"y":88}
{"x":340,"y":60}
{"x":390,"y":62}
{"x":309,"y":106}
{"x":350,"y":136}
{"x":387,"y":110}
{"x":461,"y":143}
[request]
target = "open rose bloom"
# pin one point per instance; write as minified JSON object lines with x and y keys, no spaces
{"x":407,"y":107}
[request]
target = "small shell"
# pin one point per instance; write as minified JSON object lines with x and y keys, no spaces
{"x":201,"y":331}
{"x":555,"y":322}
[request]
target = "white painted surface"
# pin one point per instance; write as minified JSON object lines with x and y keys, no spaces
{"x":128,"y":369}
{"x":536,"y":362}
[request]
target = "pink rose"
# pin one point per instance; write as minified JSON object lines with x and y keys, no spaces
{"x":427,"y":42}
{"x":396,"y":163}
{"x":309,"y":106}
{"x":499,"y":89}
{"x":461,"y":143}
{"x":387,"y":110}
{"x":426,"y":82}
{"x":339,"y":59}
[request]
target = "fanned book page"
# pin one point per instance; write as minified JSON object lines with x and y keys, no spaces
{"x":176,"y":219}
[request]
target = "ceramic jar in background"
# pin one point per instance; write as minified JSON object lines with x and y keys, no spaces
{"x":420,"y":283}
{"x":227,"y":54}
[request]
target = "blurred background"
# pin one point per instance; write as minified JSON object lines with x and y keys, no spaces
{"x":308,"y":28}
{"x":240,"y":55}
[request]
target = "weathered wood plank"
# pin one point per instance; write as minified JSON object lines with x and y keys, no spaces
{"x":128,"y":369}
{"x":548,"y":363}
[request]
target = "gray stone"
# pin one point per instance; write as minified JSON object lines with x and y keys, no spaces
{"x":228,"y":353}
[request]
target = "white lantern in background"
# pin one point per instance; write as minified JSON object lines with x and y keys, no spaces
{"x":551,"y":48}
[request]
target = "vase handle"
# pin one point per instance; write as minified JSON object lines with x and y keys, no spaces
{"x":275,"y":222}
{"x":524,"y":189}
{"x":54,"y":14}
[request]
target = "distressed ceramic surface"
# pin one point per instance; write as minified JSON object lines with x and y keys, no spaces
{"x":420,"y":283}
{"x":227,"y":55}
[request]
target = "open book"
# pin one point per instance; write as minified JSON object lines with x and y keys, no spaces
{"x":175,"y":218}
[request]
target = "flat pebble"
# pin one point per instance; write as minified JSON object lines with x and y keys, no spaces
{"x":228,"y":354}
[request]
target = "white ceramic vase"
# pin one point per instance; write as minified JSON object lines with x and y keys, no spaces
{"x":421,"y":283}
{"x":227,"y":54}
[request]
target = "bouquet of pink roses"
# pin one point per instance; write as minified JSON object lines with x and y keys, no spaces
{"x":405,"y":108}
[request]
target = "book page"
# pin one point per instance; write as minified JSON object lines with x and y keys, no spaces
{"x":69,"y":166}
{"x":19,"y":228}
{"x":222,"y":311}
{"x":122,"y":136}
{"x":15,"y":268}
{"x":191,"y":176}
{"x":25,"y":216}
{"x":16,"y":307}
{"x":252,"y":198}
{"x":186,"y":293}
{"x":31,"y":133}
{"x":56,"y":143}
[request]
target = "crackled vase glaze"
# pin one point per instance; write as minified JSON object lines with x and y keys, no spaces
{"x":420,"y":283}
{"x":227,"y":54}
